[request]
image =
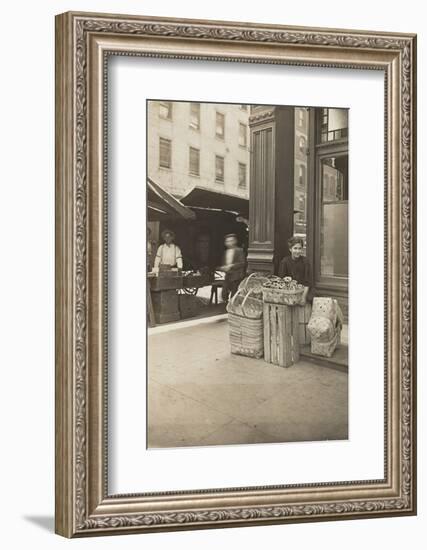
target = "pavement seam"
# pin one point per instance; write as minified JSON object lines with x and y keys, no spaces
{"x":196,"y":400}
{"x":262,"y":432}
{"x":209,"y":406}
{"x":232,"y":418}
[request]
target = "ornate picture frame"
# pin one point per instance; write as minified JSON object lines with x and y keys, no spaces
{"x":83,"y":43}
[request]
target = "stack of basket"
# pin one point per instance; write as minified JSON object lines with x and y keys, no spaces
{"x":245,"y":311}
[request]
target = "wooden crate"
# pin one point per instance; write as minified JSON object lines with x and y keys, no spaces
{"x":281,"y":334}
{"x":304,"y":314}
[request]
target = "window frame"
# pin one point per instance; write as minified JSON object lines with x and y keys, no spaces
{"x":325,"y":282}
{"x":190,"y":172}
{"x":222,"y":181}
{"x":245,"y":135}
{"x":170,"y":110}
{"x":161,"y":138}
{"x":219,"y":136}
{"x":323,"y":133}
{"x":190,"y":124}
{"x":245,"y":185}
{"x":302,"y":175}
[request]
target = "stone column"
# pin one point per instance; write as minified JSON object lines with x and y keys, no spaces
{"x":271,"y":196}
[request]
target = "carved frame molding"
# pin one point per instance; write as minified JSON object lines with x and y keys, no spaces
{"x":83,"y":44}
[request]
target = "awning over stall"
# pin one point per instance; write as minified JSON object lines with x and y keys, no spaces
{"x":163,"y":206}
{"x":207,"y":198}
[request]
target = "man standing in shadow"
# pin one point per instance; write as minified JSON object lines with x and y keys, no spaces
{"x":234,"y":266}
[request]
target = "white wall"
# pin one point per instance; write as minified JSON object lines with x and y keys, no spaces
{"x":27,"y":281}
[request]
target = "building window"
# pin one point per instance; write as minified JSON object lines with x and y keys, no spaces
{"x":333,"y":125}
{"x":324,"y":124}
{"x":242,"y":175}
{"x":219,"y":169}
{"x":165,"y":110}
{"x":333,"y":213}
{"x":195,"y":116}
{"x":300,"y":118}
{"x":165,"y":156}
{"x":194,"y":161}
{"x":243,"y":135}
{"x":301,"y":175}
{"x":220,"y":126}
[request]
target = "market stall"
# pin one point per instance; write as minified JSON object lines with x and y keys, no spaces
{"x":200,"y":237}
{"x":163,"y":284}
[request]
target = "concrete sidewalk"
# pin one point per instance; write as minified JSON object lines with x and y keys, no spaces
{"x":201,"y":394}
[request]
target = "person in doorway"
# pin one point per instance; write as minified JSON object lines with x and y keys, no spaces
{"x":150,"y":249}
{"x":200,"y":259}
{"x":297,"y":266}
{"x":168,"y":254}
{"x":234,"y":266}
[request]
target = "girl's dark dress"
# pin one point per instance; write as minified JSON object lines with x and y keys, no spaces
{"x":299,"y":269}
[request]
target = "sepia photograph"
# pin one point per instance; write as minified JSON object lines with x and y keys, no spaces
{"x":247,"y":274}
{"x":264,"y":372}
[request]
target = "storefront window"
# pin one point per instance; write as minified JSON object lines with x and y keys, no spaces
{"x":333,"y":125}
{"x":334,"y":217}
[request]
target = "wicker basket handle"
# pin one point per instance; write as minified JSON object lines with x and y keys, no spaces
{"x":247,"y":279}
{"x":233,"y":298}
{"x":244,"y":300}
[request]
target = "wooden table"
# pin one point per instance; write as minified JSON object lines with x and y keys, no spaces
{"x":164,"y":297}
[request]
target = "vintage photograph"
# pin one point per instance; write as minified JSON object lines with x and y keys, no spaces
{"x":247,"y":273}
{"x":210,"y":159}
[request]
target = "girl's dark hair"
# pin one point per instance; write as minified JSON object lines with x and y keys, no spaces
{"x":295,"y":240}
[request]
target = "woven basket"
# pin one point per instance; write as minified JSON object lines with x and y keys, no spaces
{"x":325,"y":326}
{"x":282,"y":296}
{"x":246,"y":336}
{"x":245,"y":304}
